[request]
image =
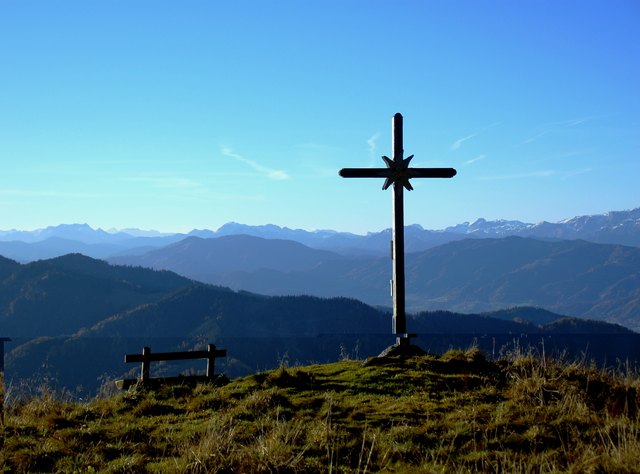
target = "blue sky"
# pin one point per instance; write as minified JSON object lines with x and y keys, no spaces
{"x":181,"y":115}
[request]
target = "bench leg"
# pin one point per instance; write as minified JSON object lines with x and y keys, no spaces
{"x":146,"y":355}
{"x":211,"y":360}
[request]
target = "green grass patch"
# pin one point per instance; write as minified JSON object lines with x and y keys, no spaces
{"x":453,"y":413}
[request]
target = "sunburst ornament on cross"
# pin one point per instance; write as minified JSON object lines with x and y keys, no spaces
{"x":398,"y":173}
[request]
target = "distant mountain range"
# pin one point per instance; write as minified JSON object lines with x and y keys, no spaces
{"x":617,"y":227}
{"x":475,"y":269}
{"x":575,"y":277}
{"x":196,"y":257}
{"x":73,"y":318}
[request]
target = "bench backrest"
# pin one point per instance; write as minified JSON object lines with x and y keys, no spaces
{"x":147,"y":357}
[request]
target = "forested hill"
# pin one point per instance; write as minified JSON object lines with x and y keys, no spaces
{"x":64,"y":294}
{"x":215,"y":312}
{"x":7,"y":266}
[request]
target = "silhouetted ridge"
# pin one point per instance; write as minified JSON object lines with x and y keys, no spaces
{"x":581,"y":326}
{"x":534,"y":315}
{"x":446,"y":322}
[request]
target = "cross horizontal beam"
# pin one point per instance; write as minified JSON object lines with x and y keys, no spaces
{"x":389,"y":173}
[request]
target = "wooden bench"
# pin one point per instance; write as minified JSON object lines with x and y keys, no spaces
{"x":147,"y":357}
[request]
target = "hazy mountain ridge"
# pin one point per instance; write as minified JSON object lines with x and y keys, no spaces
{"x":579,"y":278}
{"x":198,"y":256}
{"x":615,"y":227}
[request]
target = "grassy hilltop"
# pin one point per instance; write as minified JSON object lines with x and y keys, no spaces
{"x":454,"y":413}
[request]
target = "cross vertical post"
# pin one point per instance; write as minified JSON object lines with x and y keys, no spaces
{"x":397,"y":233}
{"x":398,"y":173}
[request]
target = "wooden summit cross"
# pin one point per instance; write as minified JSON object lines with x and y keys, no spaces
{"x":398,"y":173}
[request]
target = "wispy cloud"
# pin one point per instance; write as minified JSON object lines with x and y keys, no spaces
{"x":318,"y":160}
{"x":190,"y":190}
{"x":372,"y":142}
{"x":554,"y":126}
{"x":535,"y":137}
{"x":268,"y":172}
{"x":458,"y":143}
{"x":573,"y":173}
{"x":571,"y":122}
{"x":477,"y":158}
{"x":533,"y":174}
